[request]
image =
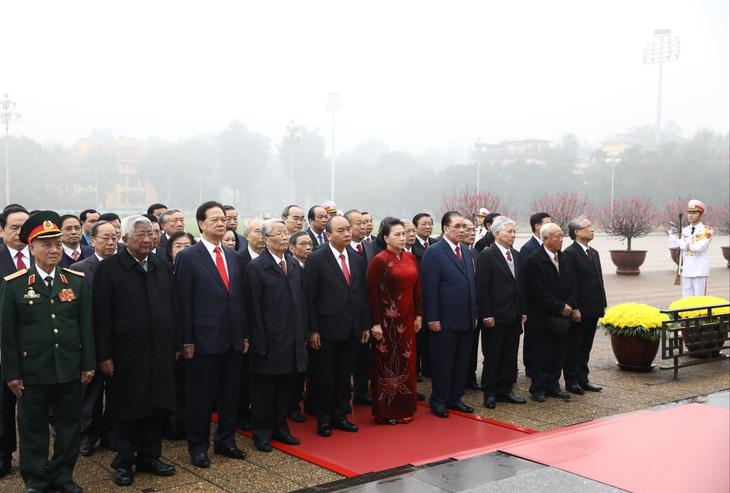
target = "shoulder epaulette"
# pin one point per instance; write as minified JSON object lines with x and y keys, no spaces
{"x":15,"y":275}
{"x":74,"y":272}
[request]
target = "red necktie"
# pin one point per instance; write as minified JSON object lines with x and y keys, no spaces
{"x":283,"y":267}
{"x":590,"y":255}
{"x":75,"y":255}
{"x":425,"y":244}
{"x":21,"y":264}
{"x":359,"y":248}
{"x":509,"y":256}
{"x":458,"y":252}
{"x":221,"y":266}
{"x":344,"y":268}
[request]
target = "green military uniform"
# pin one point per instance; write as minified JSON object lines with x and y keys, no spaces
{"x":46,"y":337}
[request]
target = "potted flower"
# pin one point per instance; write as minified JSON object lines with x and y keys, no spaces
{"x":635,"y":330}
{"x":628,"y":219}
{"x":707,"y":331}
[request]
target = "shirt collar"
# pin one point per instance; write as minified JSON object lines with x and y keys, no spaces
{"x":70,"y":251}
{"x":209,"y":246}
{"x":252,"y":253}
{"x":43,"y":274}
{"x":337,"y":254}
{"x":276,"y":259}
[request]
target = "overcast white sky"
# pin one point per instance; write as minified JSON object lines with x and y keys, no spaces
{"x":415,"y":75}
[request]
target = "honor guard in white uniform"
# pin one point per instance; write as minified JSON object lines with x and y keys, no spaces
{"x":693,"y":245}
{"x":482,"y":229}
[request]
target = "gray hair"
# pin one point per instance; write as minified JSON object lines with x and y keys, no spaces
{"x":266,"y":226}
{"x":545,"y":230}
{"x":500,"y":222}
{"x":95,"y":227}
{"x":574,"y":225}
{"x":129,"y":224}
{"x":165,"y":216}
{"x":247,"y":223}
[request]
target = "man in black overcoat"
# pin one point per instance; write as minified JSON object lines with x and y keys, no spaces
{"x":136,"y":324}
{"x":277,"y":322}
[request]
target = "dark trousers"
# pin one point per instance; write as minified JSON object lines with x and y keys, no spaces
{"x":499,"y":347}
{"x":527,"y":349}
{"x":580,"y":343}
{"x":95,"y":423}
{"x":270,"y":403}
{"x":212,"y":379}
{"x":361,"y":373}
{"x":8,"y":442}
{"x":298,"y":391}
{"x":310,"y":402}
{"x":142,"y":437}
{"x":334,"y":367}
{"x":449,"y":351}
{"x":35,"y":468}
{"x":244,"y":393}
{"x":422,"y":352}
{"x":471,"y":376}
{"x":547,"y":361}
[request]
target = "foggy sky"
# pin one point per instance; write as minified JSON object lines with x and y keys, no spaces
{"x":415,"y":75}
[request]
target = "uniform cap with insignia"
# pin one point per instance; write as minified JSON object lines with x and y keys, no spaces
{"x":483,"y":212}
{"x":329,"y":206}
{"x":42,"y":224}
{"x":696,"y":205}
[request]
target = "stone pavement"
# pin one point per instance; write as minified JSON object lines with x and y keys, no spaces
{"x":622,"y":392}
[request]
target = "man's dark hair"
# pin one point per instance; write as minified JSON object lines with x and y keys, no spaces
{"x":285,"y":212}
{"x":446,"y":219}
{"x":295,"y":237}
{"x":109,"y":216}
{"x":489,"y":219}
{"x":11,"y":209}
{"x":85,"y":213}
{"x":151,"y":217}
{"x":419,"y":216}
{"x":536,"y":219}
{"x":154,"y":207}
{"x":348,"y":215}
{"x":203,"y":210}
{"x":311,"y":215}
{"x":228,"y":208}
{"x":68,"y":216}
{"x":365,"y":212}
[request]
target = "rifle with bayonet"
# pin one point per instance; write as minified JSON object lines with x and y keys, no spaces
{"x":678,"y":272}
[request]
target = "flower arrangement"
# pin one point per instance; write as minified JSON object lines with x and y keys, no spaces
{"x":635,"y":320}
{"x":695,"y":301}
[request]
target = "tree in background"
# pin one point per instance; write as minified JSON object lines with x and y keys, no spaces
{"x":562,"y":208}
{"x":630,"y":218}
{"x":468,"y":200}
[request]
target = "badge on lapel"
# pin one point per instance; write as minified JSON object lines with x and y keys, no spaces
{"x":66,"y":295}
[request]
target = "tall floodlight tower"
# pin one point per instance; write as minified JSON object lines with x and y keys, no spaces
{"x":334,"y":103}
{"x":663,"y":48}
{"x":6,"y":116}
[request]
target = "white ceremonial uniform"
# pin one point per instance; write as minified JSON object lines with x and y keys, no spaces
{"x":695,"y":266}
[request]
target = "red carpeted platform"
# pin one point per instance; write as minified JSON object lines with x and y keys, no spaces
{"x":683,"y":449}
{"x":378,"y":447}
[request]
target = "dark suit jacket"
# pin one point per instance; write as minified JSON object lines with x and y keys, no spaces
{"x":66,"y":261}
{"x":548,"y":293}
{"x":529,"y":248}
{"x":448,"y":287}
{"x":163,"y":241}
{"x":499,"y":293}
{"x":277,"y":316}
{"x":242,"y":242}
{"x":336,"y":310}
{"x":212,"y":317}
{"x":88,"y":267}
{"x":418,"y":250}
{"x":7,"y":263}
{"x":484,"y":242}
{"x":313,"y":237}
{"x":591,"y":293}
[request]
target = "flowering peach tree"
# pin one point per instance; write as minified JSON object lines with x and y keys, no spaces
{"x":562,"y":208}
{"x":469,"y":200}
{"x":630,"y":218}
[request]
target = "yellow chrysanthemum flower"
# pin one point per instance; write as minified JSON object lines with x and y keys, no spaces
{"x":634,"y":319}
{"x":695,"y":301}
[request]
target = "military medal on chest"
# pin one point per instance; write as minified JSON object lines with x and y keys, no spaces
{"x":66,"y":294}
{"x":31,"y":292}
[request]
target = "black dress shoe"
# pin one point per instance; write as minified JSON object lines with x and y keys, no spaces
{"x":511,"y":398}
{"x":420,"y":397}
{"x":490,"y":402}
{"x":575,"y":389}
{"x":560,"y":394}
{"x":538,"y":397}
{"x":68,"y":487}
{"x":297,"y":416}
{"x":123,"y":477}
{"x":419,"y":378}
{"x":345,"y":426}
{"x":474,"y":386}
{"x":440,"y":411}
{"x":287,"y":439}
{"x":5,"y":463}
{"x":86,"y":448}
{"x":232,"y":453}
{"x":156,"y":467}
{"x":591,"y":387}
{"x":362,"y":400}
{"x":35,"y":490}
{"x":460,"y":406}
{"x":324,"y":430}
{"x":264,"y":446}
{"x":200,"y":460}
{"x":245,"y":423}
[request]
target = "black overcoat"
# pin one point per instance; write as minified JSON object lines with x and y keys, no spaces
{"x":136,"y":324}
{"x":277,"y":317}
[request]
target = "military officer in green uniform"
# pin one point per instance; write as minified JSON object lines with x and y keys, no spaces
{"x":47,"y":343}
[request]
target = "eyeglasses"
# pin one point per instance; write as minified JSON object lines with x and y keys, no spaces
{"x":141,"y":234}
{"x":279,"y":234}
{"x":305,"y":243}
{"x":72,"y":228}
{"x":106,"y":238}
{"x":469,"y":230}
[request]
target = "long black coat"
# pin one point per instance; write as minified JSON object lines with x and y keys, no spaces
{"x":499,"y":293}
{"x":548,"y":293}
{"x":277,"y":317}
{"x":591,"y":293}
{"x":136,"y":324}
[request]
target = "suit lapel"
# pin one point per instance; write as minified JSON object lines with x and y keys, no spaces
{"x":7,"y":260}
{"x":207,"y":261}
{"x":452,"y":255}
{"x":503,"y":261}
{"x":335,"y":264}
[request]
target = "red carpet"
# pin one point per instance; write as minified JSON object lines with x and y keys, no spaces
{"x":686,"y":448}
{"x":379,"y":447}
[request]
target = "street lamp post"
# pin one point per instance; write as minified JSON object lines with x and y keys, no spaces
{"x":478,"y":150}
{"x":664,"y":48}
{"x":613,"y":160}
{"x":292,"y":136}
{"x":334,"y":103}
{"x":6,"y":116}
